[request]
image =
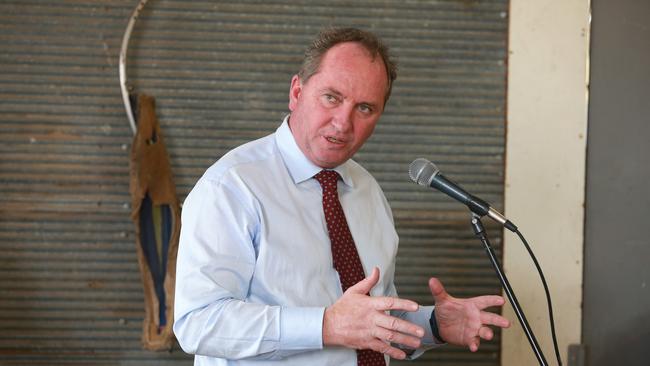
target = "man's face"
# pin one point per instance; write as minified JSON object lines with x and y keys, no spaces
{"x":335,"y":112}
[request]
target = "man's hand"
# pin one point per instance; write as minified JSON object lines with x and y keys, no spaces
{"x":359,"y":321}
{"x":462,"y":321}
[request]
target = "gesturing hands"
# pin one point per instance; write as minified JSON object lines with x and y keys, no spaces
{"x":462,"y":321}
{"x":359,"y":321}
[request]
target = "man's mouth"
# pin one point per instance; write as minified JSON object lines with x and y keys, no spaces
{"x":334,"y":140}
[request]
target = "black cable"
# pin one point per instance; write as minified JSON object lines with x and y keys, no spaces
{"x":548,"y":296}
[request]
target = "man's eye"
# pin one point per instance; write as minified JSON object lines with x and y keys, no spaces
{"x":364,"y":108}
{"x":330,"y":98}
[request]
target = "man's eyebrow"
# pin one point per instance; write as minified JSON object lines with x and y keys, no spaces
{"x":332,"y":91}
{"x":371,"y":105}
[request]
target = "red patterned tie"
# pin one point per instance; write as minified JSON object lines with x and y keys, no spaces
{"x":344,"y":252}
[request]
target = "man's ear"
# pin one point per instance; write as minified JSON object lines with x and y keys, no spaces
{"x":294,"y":92}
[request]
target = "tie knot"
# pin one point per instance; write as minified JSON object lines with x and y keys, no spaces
{"x":327,"y":178}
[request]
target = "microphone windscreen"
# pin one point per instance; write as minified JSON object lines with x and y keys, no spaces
{"x":422,"y":171}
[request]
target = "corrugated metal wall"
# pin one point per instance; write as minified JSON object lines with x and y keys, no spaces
{"x":70,"y":289}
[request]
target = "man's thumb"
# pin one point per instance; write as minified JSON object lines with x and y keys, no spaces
{"x":437,"y":289}
{"x":364,"y":286}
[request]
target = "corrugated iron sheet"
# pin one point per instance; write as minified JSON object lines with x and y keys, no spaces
{"x":70,"y":291}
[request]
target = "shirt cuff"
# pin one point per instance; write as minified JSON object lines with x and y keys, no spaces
{"x":301,"y":328}
{"x":434,"y":328}
{"x":422,"y":317}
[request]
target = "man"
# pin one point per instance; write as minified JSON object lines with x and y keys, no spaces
{"x":283,"y":263}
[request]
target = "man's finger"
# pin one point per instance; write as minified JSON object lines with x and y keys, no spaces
{"x":364,"y":286}
{"x":487,"y":301}
{"x":474,"y":344}
{"x":494,"y":319}
{"x":486,"y":333}
{"x":437,"y":289}
{"x":396,"y":337}
{"x":384,"y":303}
{"x":392,"y":323}
{"x":385,"y":348}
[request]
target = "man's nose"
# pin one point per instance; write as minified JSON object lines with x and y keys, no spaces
{"x":343,"y":116}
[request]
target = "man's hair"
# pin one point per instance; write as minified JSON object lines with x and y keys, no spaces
{"x":330,"y":37}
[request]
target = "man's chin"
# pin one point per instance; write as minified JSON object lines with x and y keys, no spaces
{"x":329,"y":163}
{"x":328,"y":157}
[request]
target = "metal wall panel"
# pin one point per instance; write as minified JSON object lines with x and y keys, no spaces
{"x":70,"y":289}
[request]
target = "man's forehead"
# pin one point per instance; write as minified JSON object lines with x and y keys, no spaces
{"x":351,"y":50}
{"x":353,"y":57}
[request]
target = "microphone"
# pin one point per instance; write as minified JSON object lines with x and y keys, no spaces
{"x":425,"y":173}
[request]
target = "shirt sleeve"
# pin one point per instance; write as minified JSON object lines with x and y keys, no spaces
{"x":215,"y":265}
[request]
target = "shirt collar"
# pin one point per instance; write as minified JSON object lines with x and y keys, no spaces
{"x":299,"y":166}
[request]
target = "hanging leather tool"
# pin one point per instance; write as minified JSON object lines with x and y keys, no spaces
{"x":155,"y":208}
{"x":156,"y":215}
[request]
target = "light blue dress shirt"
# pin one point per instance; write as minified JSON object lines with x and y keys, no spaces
{"x":254,"y":268}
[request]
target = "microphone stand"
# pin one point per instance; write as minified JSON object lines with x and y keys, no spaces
{"x":479,"y":230}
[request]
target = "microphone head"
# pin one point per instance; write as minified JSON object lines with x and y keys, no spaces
{"x":422,"y":171}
